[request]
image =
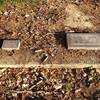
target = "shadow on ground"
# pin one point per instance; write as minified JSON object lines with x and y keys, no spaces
{"x":61,"y":38}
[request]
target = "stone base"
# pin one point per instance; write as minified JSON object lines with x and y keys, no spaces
{"x":83,"y":41}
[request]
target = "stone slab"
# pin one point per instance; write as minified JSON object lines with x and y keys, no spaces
{"x":83,"y":40}
{"x":11,"y":45}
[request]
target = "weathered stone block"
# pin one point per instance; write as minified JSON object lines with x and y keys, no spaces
{"x":11,"y":44}
{"x":83,"y":40}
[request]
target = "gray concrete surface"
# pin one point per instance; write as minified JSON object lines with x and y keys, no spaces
{"x":83,"y":40}
{"x":11,"y":45}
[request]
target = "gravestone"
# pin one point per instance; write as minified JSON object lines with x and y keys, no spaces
{"x":83,"y":40}
{"x":10,"y":44}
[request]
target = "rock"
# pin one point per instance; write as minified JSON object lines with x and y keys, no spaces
{"x":83,"y":41}
{"x":76,"y":18}
{"x":27,"y":15}
{"x":6,"y":13}
{"x":84,"y":74}
{"x":11,"y":45}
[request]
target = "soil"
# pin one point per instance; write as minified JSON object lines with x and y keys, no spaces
{"x":42,"y":28}
{"x":49,"y":84}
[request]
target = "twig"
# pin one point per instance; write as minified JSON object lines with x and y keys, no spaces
{"x":18,"y":92}
{"x":30,"y":92}
{"x":35,"y":85}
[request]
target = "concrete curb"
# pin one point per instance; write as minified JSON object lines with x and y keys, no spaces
{"x":51,"y":66}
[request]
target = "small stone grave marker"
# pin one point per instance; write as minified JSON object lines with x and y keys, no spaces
{"x":83,"y":40}
{"x":10,"y":44}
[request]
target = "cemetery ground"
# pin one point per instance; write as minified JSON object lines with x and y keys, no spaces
{"x":42,"y":26}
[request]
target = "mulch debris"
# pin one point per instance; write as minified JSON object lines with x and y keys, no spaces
{"x":50,"y":84}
